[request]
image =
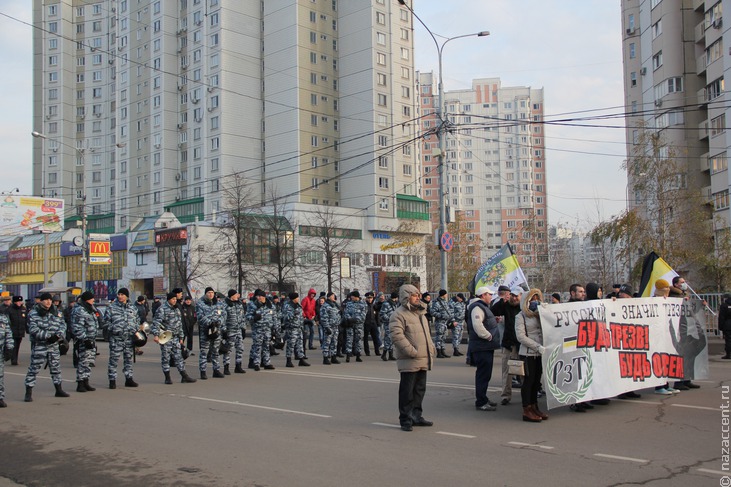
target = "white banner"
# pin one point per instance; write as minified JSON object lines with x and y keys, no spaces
{"x":602,"y":348}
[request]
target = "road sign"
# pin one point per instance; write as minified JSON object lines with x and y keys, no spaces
{"x":446,"y":242}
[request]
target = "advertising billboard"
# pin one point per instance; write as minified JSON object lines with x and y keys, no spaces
{"x":21,"y":215}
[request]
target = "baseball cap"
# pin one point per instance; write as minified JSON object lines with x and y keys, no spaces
{"x":484,"y":289}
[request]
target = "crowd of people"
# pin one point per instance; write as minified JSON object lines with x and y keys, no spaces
{"x":406,"y":326}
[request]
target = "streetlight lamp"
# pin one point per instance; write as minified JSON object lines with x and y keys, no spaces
{"x":84,"y":245}
{"x":441,"y":129}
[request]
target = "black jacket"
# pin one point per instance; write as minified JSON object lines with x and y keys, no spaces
{"x":724,"y":315}
{"x":18,"y":320}
{"x":502,"y":308}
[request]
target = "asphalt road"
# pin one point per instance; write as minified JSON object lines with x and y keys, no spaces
{"x":338,"y":425}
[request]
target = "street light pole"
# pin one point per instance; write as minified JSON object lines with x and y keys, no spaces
{"x":441,"y":136}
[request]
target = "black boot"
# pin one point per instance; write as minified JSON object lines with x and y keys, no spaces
{"x":303,"y":363}
{"x":334,"y":360}
{"x":289,"y":362}
{"x":203,"y":375}
{"x":130,"y":382}
{"x":457,"y":353}
{"x":186,"y":379}
{"x":112,"y":384}
{"x":239,"y":370}
{"x":383,"y":355}
{"x":325,"y":361}
{"x":273,"y":351}
{"x":59,"y":391}
{"x":80,"y":386}
{"x":28,"y":394}
{"x":439,"y":353}
{"x":226,"y":370}
{"x":168,"y":380}
{"x":269,"y":367}
{"x":444,"y":354}
{"x":347,"y":357}
{"x":88,"y":386}
{"x":251,"y":363}
{"x":2,"y":404}
{"x":390,"y":355}
{"x":727,"y":356}
{"x":357,"y":358}
{"x":217,"y":374}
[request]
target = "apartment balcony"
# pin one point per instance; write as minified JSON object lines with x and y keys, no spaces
{"x":702,"y":97}
{"x":705,"y":163}
{"x":699,"y":5}
{"x":700,"y":65}
{"x":700,"y":32}
{"x":703,"y":130}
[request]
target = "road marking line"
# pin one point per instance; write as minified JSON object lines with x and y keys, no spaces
{"x":695,"y":407}
{"x":377,"y":379}
{"x":387,"y":425}
{"x":455,"y":434}
{"x":615,"y":457}
{"x":652,"y":403}
{"x":236,"y":403}
{"x":715,"y":472}
{"x":518,"y":443}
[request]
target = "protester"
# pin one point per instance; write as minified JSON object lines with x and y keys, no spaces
{"x":414,"y":353}
{"x":484,"y":339}
{"x":529,"y":334}
{"x":662,"y":290}
{"x":507,"y":309}
{"x":724,"y":324}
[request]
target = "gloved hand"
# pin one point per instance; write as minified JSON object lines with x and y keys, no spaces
{"x":52,"y":339}
{"x":88,"y":344}
{"x":328,"y":331}
{"x":243,"y":333}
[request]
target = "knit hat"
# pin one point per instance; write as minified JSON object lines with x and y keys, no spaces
{"x":259,"y":292}
{"x":45,"y":296}
{"x":394,"y":295}
{"x":355,"y":294}
{"x":330,"y":294}
{"x":172,"y":294}
{"x":556,"y":296}
{"x":87,"y":295}
{"x":178,"y":290}
{"x":662,"y":284}
{"x":140,"y":298}
{"x":209,"y":288}
{"x":442,"y":292}
{"x":123,"y":290}
{"x":426,"y":295}
{"x":232,"y":292}
{"x":293,"y":296}
{"x":460,"y":296}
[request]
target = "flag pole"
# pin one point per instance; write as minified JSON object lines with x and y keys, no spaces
{"x":705,"y":303}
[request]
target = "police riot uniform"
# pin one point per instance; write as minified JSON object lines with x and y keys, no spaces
{"x":384,"y":316}
{"x":84,"y":326}
{"x":355,"y":315}
{"x":292,"y":324}
{"x":457,"y":310}
{"x":46,"y":328}
{"x":261,"y":317}
{"x":122,"y":321}
{"x":211,"y":315}
{"x":330,"y":324}
{"x":439,"y":309}
{"x":235,"y":327}
{"x":6,"y":346}
{"x":167,"y":318}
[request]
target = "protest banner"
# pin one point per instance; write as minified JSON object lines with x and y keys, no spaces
{"x":603,"y":348}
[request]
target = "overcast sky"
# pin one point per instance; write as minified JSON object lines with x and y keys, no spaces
{"x":571,"y":48}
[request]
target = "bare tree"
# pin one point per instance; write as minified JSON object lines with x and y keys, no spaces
{"x":665,"y":215}
{"x":185,"y":266}
{"x":277,"y":232}
{"x":331,"y":239}
{"x":238,"y":200}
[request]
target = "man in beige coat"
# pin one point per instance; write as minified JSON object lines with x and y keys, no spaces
{"x":414,"y":354}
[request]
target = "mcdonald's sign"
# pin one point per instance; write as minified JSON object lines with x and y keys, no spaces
{"x":100,"y":252}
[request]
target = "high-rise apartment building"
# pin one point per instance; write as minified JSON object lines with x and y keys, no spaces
{"x":675,"y":62}
{"x":495,"y":166}
{"x":150,"y":105}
